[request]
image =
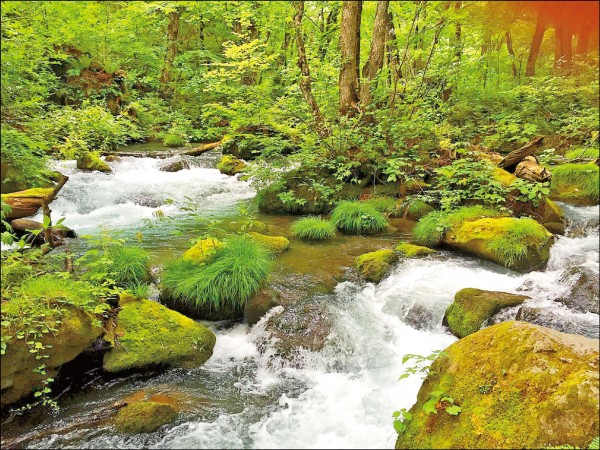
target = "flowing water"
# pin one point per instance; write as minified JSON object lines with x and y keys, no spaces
{"x":340,"y":397}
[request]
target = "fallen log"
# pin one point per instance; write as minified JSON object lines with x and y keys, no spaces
{"x":203,"y":148}
{"x":511,"y":160}
{"x":27,"y":203}
{"x":530,"y":169}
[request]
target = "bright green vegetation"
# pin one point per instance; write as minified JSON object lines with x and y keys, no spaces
{"x":593,"y":445}
{"x":202,"y":250}
{"x":414,"y":209}
{"x":589,"y":152}
{"x":472,"y":308}
{"x":413,"y":251}
{"x":430,"y":230}
{"x":230,"y":165}
{"x":518,"y":237}
{"x":375,"y":265}
{"x":147,"y":334}
{"x":129,"y":265}
{"x":385,"y":205}
{"x":173,"y":140}
{"x":144,"y":417}
{"x":274,"y":244}
{"x":358,"y":218}
{"x":232,"y":275}
{"x":313,"y":229}
{"x":506,"y":399}
{"x":576,"y":183}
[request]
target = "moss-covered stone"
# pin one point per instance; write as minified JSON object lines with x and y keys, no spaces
{"x":374,"y":266}
{"x":149,"y":334}
{"x":275,"y":244}
{"x":518,"y":386}
{"x":578,"y":184}
{"x":77,"y":331}
{"x":202,"y":250}
{"x":472,"y":308}
{"x":261,"y":302}
{"x":413,"y":251}
{"x":91,"y":161}
{"x":230,"y":165}
{"x":520,"y":244}
{"x":144,"y":417}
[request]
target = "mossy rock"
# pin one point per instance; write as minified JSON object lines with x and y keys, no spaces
{"x":203,"y":250}
{"x":91,"y":161}
{"x":275,"y":244}
{"x":148,"y":334}
{"x":144,"y":417}
{"x":415,"y":209}
{"x":472,"y":308}
{"x":258,"y":305}
{"x":407,"y":250}
{"x":230,"y":165}
{"x":578,"y":184}
{"x":375,"y":265}
{"x":413,"y":187}
{"x":503,"y":177}
{"x":521,"y":245}
{"x":77,"y":331}
{"x":518,"y":385}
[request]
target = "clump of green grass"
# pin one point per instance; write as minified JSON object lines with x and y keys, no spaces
{"x":358,"y":218}
{"x":313,"y":229}
{"x":384,"y":204}
{"x":520,"y":235}
{"x":430,"y":230}
{"x":235,"y":272}
{"x":173,"y":140}
{"x":129,"y":265}
{"x":589,"y":152}
{"x":577,"y":180}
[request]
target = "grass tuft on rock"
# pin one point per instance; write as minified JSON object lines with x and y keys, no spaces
{"x":576,"y":183}
{"x":520,"y":236}
{"x":129,"y":265}
{"x":358,"y":218}
{"x":233,"y":274}
{"x":313,"y":229}
{"x":384,"y":204}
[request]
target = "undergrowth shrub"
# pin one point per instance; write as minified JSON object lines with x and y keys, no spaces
{"x":358,"y":218}
{"x":385,"y":205}
{"x":313,"y":229}
{"x":234,"y":273}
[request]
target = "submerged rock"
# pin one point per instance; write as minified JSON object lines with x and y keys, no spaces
{"x":374,"y":266}
{"x":175,"y":166}
{"x":144,"y":417}
{"x":522,"y":245}
{"x":472,"y":308}
{"x":516,"y":385}
{"x":584,"y":292}
{"x":91,"y":161}
{"x":77,"y":331}
{"x":230,"y":165}
{"x":260,"y":303}
{"x":148,"y":334}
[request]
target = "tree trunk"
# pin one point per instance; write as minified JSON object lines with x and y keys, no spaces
{"x":305,"y":81}
{"x":516,"y":156}
{"x":172,"y":36}
{"x":582,"y":41}
{"x":375,"y":60}
{"x":511,"y":52}
{"x":536,"y":42}
{"x":350,"y":53}
{"x":567,"y":49}
{"x":559,"y":53}
{"x":458,"y":33}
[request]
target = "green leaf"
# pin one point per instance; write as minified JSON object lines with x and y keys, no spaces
{"x":453,"y":410}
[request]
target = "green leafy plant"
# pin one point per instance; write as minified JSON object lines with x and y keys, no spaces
{"x":358,"y":218}
{"x":530,"y":192}
{"x":313,"y":229}
{"x":401,"y":420}
{"x":419,"y":364}
{"x":438,"y":400}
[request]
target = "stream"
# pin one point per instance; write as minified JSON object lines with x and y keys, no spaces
{"x":340,"y":397}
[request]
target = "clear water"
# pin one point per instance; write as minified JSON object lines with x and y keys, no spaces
{"x":340,"y":397}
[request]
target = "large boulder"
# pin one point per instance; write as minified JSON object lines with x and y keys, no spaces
{"x":374,"y":266}
{"x":91,"y":161}
{"x":512,"y":385}
{"x":230,"y":165}
{"x":472,"y":308}
{"x":147,"y":334}
{"x":77,"y":331}
{"x":522,"y":244}
{"x":575,"y":183}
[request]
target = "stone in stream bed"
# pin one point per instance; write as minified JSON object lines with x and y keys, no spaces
{"x":413,"y":251}
{"x":275,"y":244}
{"x":374,"y":266}
{"x":583,"y":294}
{"x":260,"y":303}
{"x":557,"y":321}
{"x":230,"y":165}
{"x":91,"y":161}
{"x":512,"y":385}
{"x":175,"y":166}
{"x":144,"y":417}
{"x":148,"y":334}
{"x":472,"y":308}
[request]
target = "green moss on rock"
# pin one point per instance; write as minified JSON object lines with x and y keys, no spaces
{"x":413,"y":251}
{"x":472,"y":308}
{"x":578,"y":184}
{"x":275,"y":244}
{"x":149,"y":334}
{"x":203,"y":250}
{"x":91,"y":161}
{"x":375,"y":265}
{"x":230,"y":165}
{"x":518,"y":386}
{"x":144,"y":417}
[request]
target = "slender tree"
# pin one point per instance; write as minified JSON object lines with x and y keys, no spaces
{"x":350,"y":52}
{"x":536,"y":42}
{"x":375,"y":60}
{"x":172,"y":38}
